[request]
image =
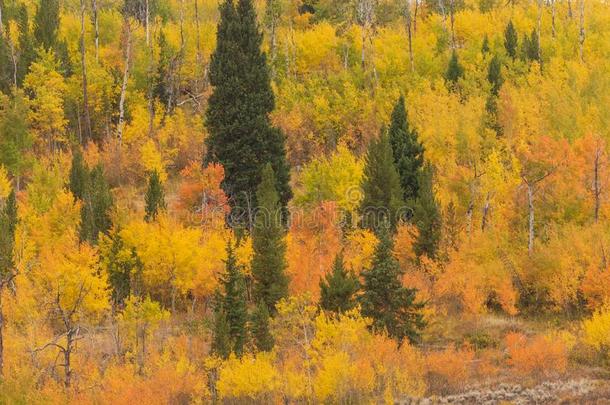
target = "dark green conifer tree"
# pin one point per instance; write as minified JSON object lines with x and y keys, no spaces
{"x":531,"y":47}
{"x":390,"y":305}
{"x":46,"y":24}
{"x":124,"y":270}
{"x":17,"y":139}
{"x":338,"y":288}
{"x":383,"y":195}
{"x":241,"y":136}
{"x":407,"y":150}
{"x":234,"y":302}
{"x":269,"y":245}
{"x":261,"y":335}
{"x":427,"y":216}
{"x":455,"y":70}
{"x":485,"y":46}
{"x":163,"y":86}
{"x":97,"y":206}
{"x":6,"y":65}
{"x":26,"y":45}
{"x":511,"y":40}
{"x":79,"y":176}
{"x":155,"y":197}
{"x":494,"y":75}
{"x":221,"y":341}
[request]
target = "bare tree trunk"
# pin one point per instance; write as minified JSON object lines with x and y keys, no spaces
{"x":1,"y":24}
{"x":147,"y":23}
{"x":70,"y":340}
{"x":97,"y":30}
{"x":452,"y":20}
{"x":570,"y":14}
{"x":553,"y":18}
{"x":415,"y":17}
{"x":1,"y":333}
{"x":596,"y":182}
{"x":530,"y":204}
{"x":87,"y":116}
{"x":441,"y":6}
{"x":581,"y":31}
{"x":540,"y":31}
{"x":486,"y":209}
{"x":409,"y":32}
{"x":125,"y":81}
{"x":362,"y":53}
{"x":151,"y":96}
{"x":469,"y":217}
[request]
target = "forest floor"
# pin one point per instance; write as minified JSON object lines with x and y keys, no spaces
{"x":576,"y":391}
{"x":583,"y":382}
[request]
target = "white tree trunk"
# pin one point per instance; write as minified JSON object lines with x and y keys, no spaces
{"x":125,"y":81}
{"x":530,"y":204}
{"x":581,"y":31}
{"x":97,"y":29}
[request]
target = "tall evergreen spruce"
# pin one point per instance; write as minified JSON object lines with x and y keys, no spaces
{"x":384,"y":299}
{"x":155,"y":197}
{"x":261,"y":335}
{"x":16,"y":137}
{"x":221,"y":341}
{"x":79,"y":176}
{"x":338,"y":288}
{"x":494,"y":75}
{"x":26,"y":45}
{"x":124,"y":270}
{"x":241,"y":137}
{"x":46,"y":24}
{"x":6,"y":66}
{"x":407,"y":150}
{"x":97,"y":205}
{"x":511,"y":40}
{"x":234,"y":302}
{"x":382,"y":200}
{"x":163,"y":81}
{"x":269,"y":262}
{"x":427,"y":216}
{"x":455,"y":70}
{"x":531,"y":47}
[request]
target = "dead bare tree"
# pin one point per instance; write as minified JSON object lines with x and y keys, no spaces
{"x":71,"y":332}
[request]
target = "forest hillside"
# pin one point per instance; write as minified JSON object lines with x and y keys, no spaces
{"x":304,"y":201}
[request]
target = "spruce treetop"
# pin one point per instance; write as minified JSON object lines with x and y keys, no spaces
{"x":407,"y":150}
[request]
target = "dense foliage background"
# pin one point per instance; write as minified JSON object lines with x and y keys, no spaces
{"x":133,"y":134}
